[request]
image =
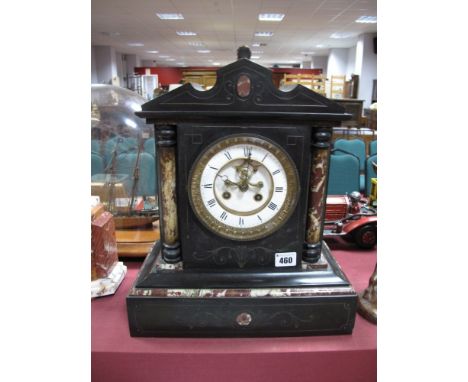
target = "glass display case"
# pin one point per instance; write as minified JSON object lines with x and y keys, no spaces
{"x":123,"y":167}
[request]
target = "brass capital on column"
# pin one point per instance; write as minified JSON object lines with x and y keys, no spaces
{"x":320,"y":147}
{"x":166,"y":141}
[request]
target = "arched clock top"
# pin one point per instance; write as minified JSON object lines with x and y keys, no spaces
{"x":242,"y":89}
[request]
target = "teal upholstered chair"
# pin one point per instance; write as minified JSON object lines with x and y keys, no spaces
{"x":356,"y":147}
{"x":125,"y":164}
{"x":344,"y":173}
{"x":97,"y":164}
{"x":373,"y":148}
{"x":149,"y":146}
{"x":95,"y":146}
{"x":370,"y":173}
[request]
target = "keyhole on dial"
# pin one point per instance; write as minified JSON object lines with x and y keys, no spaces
{"x":258,"y":197}
{"x":226,"y":195}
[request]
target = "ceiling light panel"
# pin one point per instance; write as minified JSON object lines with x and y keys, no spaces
{"x":111,"y":34}
{"x":204,"y":51}
{"x":340,"y":35}
{"x":367,"y":20}
{"x":170,"y":16}
{"x":186,"y":33}
{"x":152,"y":51}
{"x":263,"y":34}
{"x":271,"y":17}
{"x":135,"y":44}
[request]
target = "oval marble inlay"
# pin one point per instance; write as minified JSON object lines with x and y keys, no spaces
{"x":244,"y":319}
{"x":243,"y":86}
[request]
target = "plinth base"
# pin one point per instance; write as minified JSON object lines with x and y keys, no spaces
{"x":169,"y":301}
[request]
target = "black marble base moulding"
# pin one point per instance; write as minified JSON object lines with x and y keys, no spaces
{"x":168,"y":301}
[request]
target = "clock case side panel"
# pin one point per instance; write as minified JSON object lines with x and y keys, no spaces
{"x":201,"y":248}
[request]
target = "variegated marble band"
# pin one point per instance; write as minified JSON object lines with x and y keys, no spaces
{"x":239,"y":293}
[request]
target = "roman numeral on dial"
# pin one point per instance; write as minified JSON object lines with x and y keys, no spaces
{"x":208,"y":185}
{"x":241,"y":222}
{"x":247,"y":151}
{"x":228,"y":155}
{"x":279,"y":189}
{"x":224,"y":215}
{"x":272,"y":206}
{"x":275,"y":172}
{"x":211,"y":202}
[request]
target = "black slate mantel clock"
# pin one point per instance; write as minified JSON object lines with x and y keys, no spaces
{"x":243,"y":171}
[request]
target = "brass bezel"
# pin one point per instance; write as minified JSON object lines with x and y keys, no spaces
{"x":244,"y":234}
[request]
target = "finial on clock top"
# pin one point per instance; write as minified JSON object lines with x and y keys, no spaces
{"x":243,"y":52}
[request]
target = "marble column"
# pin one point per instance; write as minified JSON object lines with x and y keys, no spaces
{"x":317,"y":194}
{"x":166,"y":142}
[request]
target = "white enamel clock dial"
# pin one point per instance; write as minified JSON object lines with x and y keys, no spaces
{"x":243,"y":187}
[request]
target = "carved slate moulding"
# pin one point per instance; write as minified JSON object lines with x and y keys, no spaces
{"x":239,"y":254}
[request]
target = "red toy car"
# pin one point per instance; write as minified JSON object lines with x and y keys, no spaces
{"x":350,"y":217}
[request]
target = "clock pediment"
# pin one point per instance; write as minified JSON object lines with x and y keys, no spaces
{"x":243,"y":89}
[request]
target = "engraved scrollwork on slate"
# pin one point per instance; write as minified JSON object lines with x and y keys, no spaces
{"x":219,"y":256}
{"x":287,"y":319}
{"x":242,"y":256}
{"x":239,"y":256}
{"x":229,"y":88}
{"x":258,"y":92}
{"x":262,"y":256}
{"x":347,"y":324}
{"x":205,"y":319}
{"x":262,"y":316}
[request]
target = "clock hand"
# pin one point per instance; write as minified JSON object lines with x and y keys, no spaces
{"x":259,"y":184}
{"x":228,"y":182}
